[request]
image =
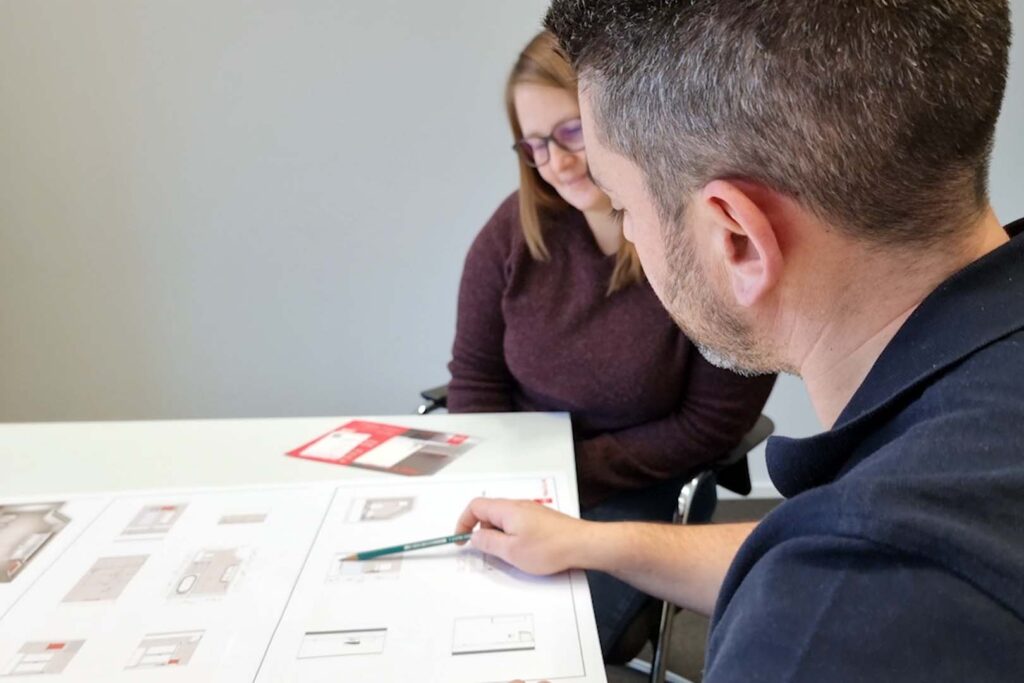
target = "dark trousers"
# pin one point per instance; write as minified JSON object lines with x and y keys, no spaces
{"x":616,"y":603}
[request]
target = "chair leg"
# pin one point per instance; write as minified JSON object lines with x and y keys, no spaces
{"x":659,"y":662}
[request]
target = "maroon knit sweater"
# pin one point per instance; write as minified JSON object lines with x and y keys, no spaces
{"x":544,"y":336}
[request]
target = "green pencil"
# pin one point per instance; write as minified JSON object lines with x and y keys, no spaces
{"x":416,"y":545}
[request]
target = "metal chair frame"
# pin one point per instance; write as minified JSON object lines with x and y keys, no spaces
{"x":761,"y":430}
{"x":433,"y":399}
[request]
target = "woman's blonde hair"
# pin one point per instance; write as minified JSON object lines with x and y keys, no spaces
{"x":541,"y":63}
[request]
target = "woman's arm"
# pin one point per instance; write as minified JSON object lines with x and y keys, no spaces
{"x":481,"y":381}
{"x":718,"y":407}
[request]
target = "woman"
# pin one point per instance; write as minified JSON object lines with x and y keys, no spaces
{"x":554,"y":314}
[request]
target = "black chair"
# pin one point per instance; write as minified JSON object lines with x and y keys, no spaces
{"x":731,"y":472}
{"x":434,"y":398}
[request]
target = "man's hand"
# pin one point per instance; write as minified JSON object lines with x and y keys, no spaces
{"x":684,"y":564}
{"x":525,"y":534}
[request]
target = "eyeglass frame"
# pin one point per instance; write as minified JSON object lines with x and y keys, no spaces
{"x":547,"y":140}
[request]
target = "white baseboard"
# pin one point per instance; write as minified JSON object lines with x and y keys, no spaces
{"x":645,"y":668}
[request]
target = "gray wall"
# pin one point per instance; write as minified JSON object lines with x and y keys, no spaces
{"x":242,"y":208}
{"x":253,"y":208}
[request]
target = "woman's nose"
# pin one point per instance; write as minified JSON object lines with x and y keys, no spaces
{"x":561,"y":159}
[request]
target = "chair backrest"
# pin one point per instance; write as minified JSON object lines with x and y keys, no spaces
{"x":761,"y":430}
{"x":434,"y":398}
{"x":733,"y":471}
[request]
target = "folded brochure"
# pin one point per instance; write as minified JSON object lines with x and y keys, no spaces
{"x":386,"y":448}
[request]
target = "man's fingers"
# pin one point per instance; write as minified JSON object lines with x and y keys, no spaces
{"x":493,"y":542}
{"x":468,"y":519}
{"x":483,"y":511}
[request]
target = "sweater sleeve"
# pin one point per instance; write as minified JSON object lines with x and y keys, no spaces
{"x":718,"y":407}
{"x":480,"y":379}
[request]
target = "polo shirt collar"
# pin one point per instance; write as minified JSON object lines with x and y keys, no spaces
{"x":988,"y":298}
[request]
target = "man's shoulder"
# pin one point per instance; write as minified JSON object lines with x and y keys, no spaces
{"x":833,"y":606}
{"x":917,"y":542}
{"x":942,"y":477}
{"x":937,"y":487}
{"x":966,"y":421}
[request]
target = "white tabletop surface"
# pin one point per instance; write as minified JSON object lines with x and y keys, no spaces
{"x":73,"y":457}
{"x":89,"y":457}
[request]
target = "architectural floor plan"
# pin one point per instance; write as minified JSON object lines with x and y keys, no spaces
{"x":253,"y":584}
{"x":24,"y":530}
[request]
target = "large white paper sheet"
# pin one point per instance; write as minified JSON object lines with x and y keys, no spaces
{"x":249,"y":585}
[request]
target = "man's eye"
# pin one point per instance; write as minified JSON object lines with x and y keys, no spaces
{"x":617,"y":214}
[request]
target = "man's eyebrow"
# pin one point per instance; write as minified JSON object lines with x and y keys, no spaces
{"x":593,"y":179}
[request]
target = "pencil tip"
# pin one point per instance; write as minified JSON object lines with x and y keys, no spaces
{"x":349,"y":558}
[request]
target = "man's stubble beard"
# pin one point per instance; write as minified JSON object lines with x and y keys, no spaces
{"x":721,"y":336}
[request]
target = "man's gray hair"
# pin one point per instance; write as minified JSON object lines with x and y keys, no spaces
{"x":878,"y":115}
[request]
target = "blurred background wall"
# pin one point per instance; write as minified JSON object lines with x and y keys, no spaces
{"x":253,"y":208}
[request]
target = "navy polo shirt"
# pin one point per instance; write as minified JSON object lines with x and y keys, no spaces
{"x":899,"y":554}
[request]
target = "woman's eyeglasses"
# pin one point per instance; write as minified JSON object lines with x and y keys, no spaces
{"x":535,"y":151}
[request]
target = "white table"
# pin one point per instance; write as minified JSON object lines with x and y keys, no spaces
{"x":78,"y":457}
{"x":111,"y":457}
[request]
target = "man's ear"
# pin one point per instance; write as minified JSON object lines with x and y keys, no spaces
{"x":743,"y":239}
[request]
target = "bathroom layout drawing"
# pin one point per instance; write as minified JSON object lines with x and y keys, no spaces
{"x":43,"y":657}
{"x":106,"y":579}
{"x":158,"y":650}
{"x":209,"y":573}
{"x":154,"y":519}
{"x":24,"y":530}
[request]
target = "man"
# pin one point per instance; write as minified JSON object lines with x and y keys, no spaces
{"x":805,"y":183}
